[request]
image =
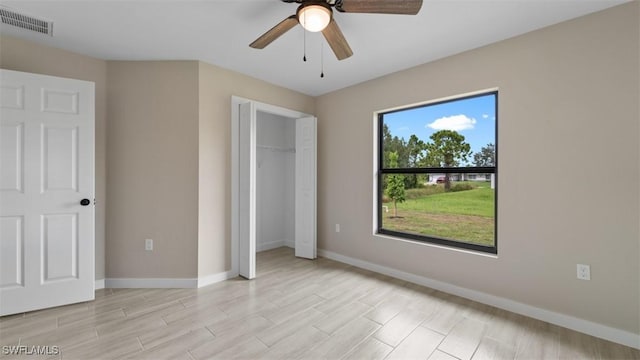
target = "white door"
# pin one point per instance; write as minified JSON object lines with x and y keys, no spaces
{"x":46,"y":171}
{"x":305,"y":191}
{"x":247,"y":190}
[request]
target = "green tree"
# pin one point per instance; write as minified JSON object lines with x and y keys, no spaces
{"x":415,"y":150}
{"x":395,"y":184}
{"x":486,"y":156}
{"x":394,"y":144}
{"x":410,"y":153}
{"x":447,"y":149}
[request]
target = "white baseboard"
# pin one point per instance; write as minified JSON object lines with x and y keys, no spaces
{"x":153,"y":283}
{"x":99,"y":284}
{"x":567,"y":321}
{"x":270,"y":245}
{"x":275,"y":245}
{"x":216,"y":278}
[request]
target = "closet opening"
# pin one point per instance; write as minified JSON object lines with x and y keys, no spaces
{"x":273,"y":183}
{"x":275,"y":179}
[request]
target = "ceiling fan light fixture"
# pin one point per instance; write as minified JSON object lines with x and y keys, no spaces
{"x":314,"y":17}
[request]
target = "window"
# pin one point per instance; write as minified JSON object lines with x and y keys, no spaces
{"x":437,"y":172}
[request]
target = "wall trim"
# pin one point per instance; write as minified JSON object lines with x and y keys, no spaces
{"x":99,"y":284}
{"x":216,"y":278}
{"x":176,"y":283}
{"x":584,"y":326}
{"x":270,"y":245}
{"x":139,"y":283}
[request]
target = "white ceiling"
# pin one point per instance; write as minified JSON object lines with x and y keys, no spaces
{"x":219,"y":32}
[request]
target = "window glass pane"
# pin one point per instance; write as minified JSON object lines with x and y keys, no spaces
{"x":464,"y":213}
{"x":456,"y":133}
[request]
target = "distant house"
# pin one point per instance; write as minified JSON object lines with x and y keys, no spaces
{"x":439,"y":178}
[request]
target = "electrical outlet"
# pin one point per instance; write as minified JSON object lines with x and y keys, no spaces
{"x":584,"y":272}
{"x":148,"y":244}
{"x":337,"y":228}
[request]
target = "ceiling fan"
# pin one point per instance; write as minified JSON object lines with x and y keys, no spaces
{"x":317,"y":15}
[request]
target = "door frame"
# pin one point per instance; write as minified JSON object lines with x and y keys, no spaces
{"x":236,"y":101}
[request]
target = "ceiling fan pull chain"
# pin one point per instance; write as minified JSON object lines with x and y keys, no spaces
{"x":321,"y":58}
{"x":304,"y":41}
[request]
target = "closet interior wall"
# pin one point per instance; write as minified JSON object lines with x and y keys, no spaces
{"x":275,"y":199}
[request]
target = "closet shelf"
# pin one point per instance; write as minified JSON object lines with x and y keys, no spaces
{"x":276,"y":148}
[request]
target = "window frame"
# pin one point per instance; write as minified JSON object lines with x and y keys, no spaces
{"x":381,"y":172}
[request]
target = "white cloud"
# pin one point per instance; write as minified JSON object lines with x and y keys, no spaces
{"x":485,"y":116}
{"x":455,"y":123}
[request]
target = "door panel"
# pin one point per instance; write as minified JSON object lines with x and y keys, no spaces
{"x":247,"y":191}
{"x":11,"y":244}
{"x":60,"y":247}
{"x":11,"y":156}
{"x":305,"y":189}
{"x":57,"y":101}
{"x":60,"y":158}
{"x":11,"y":96}
{"x":46,"y":168}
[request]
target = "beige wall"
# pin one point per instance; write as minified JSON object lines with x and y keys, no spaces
{"x":217,"y":85}
{"x":20,"y":55}
{"x":153,"y":169}
{"x":568,"y":177}
{"x":170,"y":165}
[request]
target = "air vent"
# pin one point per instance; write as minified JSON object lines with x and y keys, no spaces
{"x":27,"y":22}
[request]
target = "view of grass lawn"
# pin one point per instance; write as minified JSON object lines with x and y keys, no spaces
{"x":466,"y":215}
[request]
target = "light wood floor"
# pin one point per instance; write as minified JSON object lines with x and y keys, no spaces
{"x":297,"y":309}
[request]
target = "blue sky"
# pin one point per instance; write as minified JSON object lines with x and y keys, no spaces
{"x":475,"y":118}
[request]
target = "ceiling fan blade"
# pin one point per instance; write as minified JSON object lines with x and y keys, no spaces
{"x":275,"y":32}
{"x":402,"y":7}
{"x":336,"y":40}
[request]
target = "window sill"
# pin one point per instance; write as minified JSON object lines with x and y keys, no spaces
{"x":435,"y":246}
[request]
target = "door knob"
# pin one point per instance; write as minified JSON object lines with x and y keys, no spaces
{"x":85,"y":202}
